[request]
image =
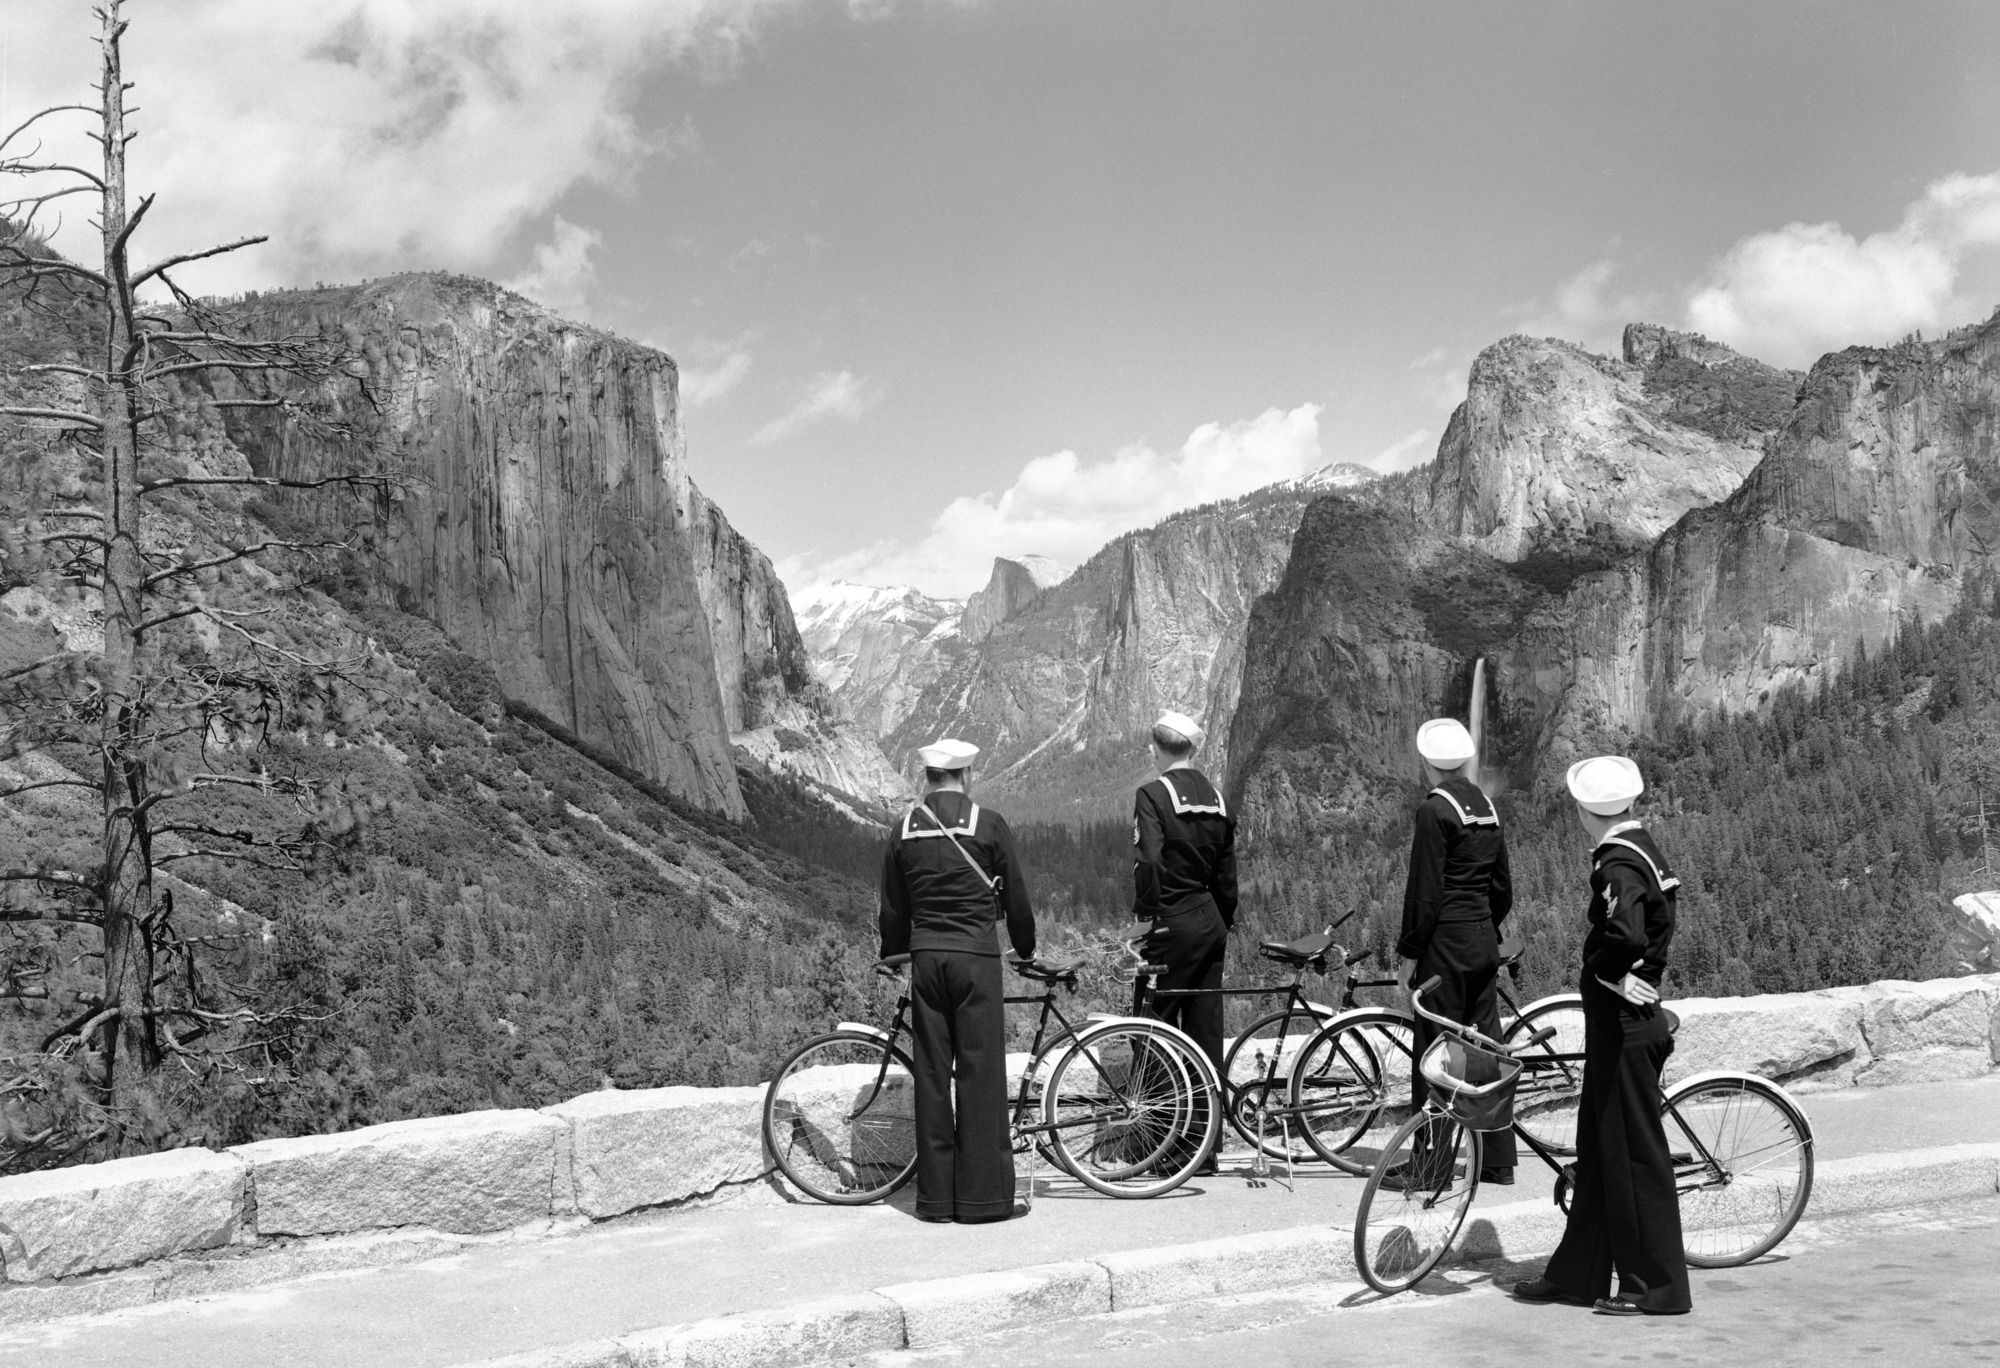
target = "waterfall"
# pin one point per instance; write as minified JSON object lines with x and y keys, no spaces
{"x":1476,"y":721}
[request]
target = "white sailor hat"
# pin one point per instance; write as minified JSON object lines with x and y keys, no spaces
{"x":947,"y":754}
{"x":1445,"y":742}
{"x":1605,"y":784}
{"x":1179,"y":722}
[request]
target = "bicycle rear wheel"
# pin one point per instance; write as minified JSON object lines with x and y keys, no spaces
{"x":1415,"y":1202}
{"x":1131,"y":1111}
{"x":1351,"y":1086}
{"x":1337,"y":1091}
{"x":1255,"y":1070}
{"x":1550,"y":1087}
{"x":840,"y":1118}
{"x":1743,"y":1161}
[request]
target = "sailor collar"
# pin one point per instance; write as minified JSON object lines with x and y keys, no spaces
{"x":1479,"y":812}
{"x":1664,"y":880}
{"x":935,"y":826}
{"x":1183,"y":806}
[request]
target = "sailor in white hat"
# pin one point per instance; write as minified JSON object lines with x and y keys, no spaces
{"x":1184,"y":880}
{"x":948,"y":877}
{"x":1459,"y":890}
{"x":1624,"y":1211}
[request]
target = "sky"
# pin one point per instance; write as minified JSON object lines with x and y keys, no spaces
{"x":950,"y":279}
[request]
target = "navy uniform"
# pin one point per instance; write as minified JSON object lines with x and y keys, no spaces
{"x":1184,"y":880}
{"x":1624,"y":1214}
{"x":942,"y":910}
{"x":1459,"y":891}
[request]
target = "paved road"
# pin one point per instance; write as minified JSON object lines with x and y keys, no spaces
{"x":1895,"y":1287}
{"x":759,"y":1250}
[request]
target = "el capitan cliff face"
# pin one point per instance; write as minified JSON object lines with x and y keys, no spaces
{"x":548,"y":523}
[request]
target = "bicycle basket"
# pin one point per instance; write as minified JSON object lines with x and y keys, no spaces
{"x":1475,"y":1085}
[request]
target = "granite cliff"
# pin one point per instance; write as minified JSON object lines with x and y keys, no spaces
{"x":1060,"y":691}
{"x":1626,"y":543}
{"x":549,"y":526}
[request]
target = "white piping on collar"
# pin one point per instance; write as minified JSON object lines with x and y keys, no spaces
{"x":1492,"y":817}
{"x":1661,"y":877}
{"x":911,"y":833}
{"x":1182,"y":807}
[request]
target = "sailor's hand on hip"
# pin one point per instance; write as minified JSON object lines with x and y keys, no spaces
{"x":1634,"y":990}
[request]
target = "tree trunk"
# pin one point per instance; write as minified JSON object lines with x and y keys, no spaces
{"x":128,"y":1039}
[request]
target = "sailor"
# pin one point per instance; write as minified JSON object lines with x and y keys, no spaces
{"x":1459,"y":891}
{"x":1624,"y":1213}
{"x":948,"y":877}
{"x":1184,"y":879}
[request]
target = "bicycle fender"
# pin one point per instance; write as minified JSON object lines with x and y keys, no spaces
{"x":1100,"y":1020}
{"x":864,"y":1028}
{"x":1321,"y":1010}
{"x":1734,"y":1075}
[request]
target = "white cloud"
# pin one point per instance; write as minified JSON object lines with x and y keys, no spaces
{"x":1065,"y":508}
{"x":1411,"y":449}
{"x":702,"y":384}
{"x":1590,"y":309}
{"x":1790,"y":295}
{"x":832,"y":394}
{"x":372,"y":135}
{"x":564,"y":269}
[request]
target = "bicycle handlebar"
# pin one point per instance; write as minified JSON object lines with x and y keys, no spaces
{"x":1467,"y":1033}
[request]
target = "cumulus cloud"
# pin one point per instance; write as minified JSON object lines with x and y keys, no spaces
{"x":704,"y":384}
{"x":1591,"y":308}
{"x":1065,"y":508}
{"x":373,"y":135}
{"x":1790,"y":295}
{"x":831,"y":394}
{"x":564,"y":269}
{"x":1411,"y":449}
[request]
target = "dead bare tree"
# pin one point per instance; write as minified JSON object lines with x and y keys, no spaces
{"x":150,"y":709}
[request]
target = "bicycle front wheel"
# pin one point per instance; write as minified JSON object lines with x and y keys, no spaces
{"x":1550,"y":1087}
{"x":1743,"y":1162}
{"x":1415,"y":1201}
{"x":1130,"y":1110}
{"x":1255,"y":1070}
{"x":840,"y":1118}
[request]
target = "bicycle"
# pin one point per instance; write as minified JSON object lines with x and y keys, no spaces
{"x":1742,"y":1149}
{"x":1353,"y":1076}
{"x":1118,"y":1103}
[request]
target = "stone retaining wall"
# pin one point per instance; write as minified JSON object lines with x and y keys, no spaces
{"x":609,"y":1153}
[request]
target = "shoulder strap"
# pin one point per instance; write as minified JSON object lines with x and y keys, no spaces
{"x":1182,"y":806}
{"x":1488,"y":818}
{"x":1663,"y":880}
{"x":972,"y":821}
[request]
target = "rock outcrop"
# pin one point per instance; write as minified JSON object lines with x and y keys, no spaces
{"x":1059,"y":694}
{"x":1882,"y":485}
{"x":546,"y":521}
{"x":1555,"y":448}
{"x":1013,"y":587}
{"x":1583,"y":531}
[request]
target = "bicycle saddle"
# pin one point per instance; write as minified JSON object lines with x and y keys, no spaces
{"x":1510,"y":950}
{"x":1304,"y":950}
{"x":1048,"y":971}
{"x":1673,"y":1018}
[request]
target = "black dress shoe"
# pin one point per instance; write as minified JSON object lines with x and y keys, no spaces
{"x":934,"y":1220}
{"x":1539,"y":1290}
{"x":1018,"y":1210}
{"x":1499,"y":1177}
{"x":1617,"y":1306}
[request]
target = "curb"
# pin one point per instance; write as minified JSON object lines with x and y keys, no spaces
{"x":924,"y":1315}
